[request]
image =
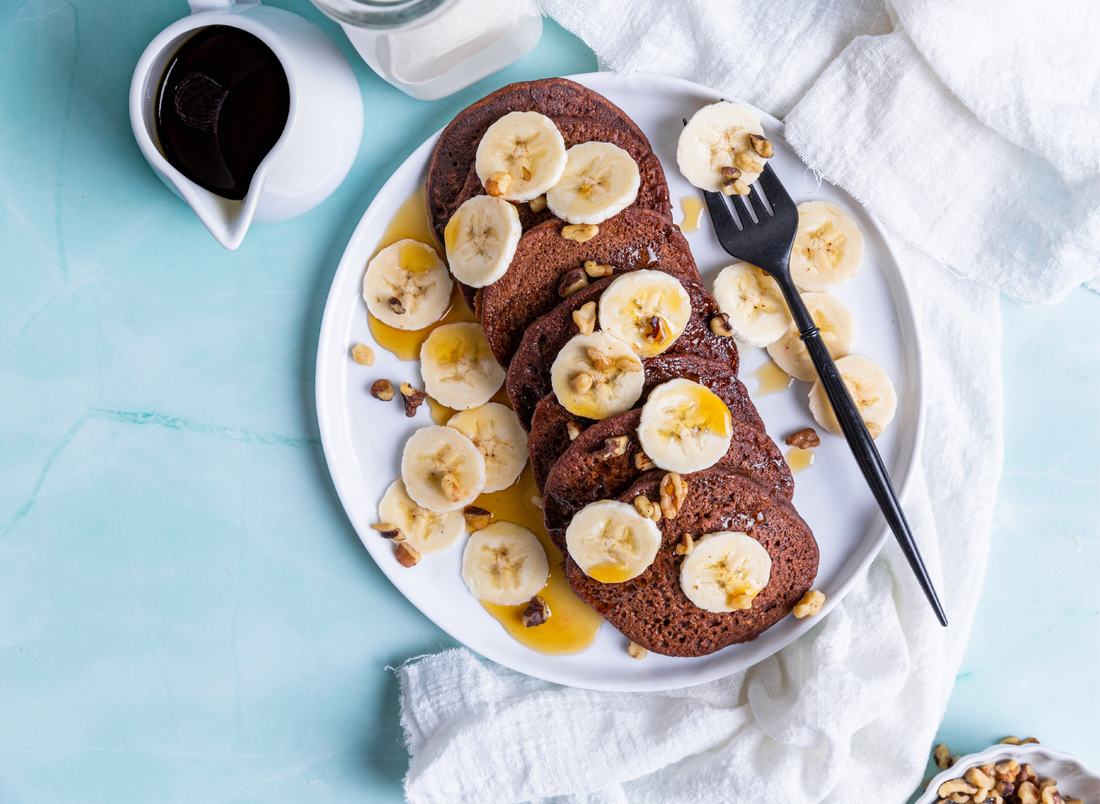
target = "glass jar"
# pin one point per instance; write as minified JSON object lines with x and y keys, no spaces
{"x":433,"y":48}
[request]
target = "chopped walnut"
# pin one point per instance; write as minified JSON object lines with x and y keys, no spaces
{"x":536,"y":613}
{"x":498,"y":183}
{"x":388,"y":531}
{"x":956,"y":786}
{"x":414,"y":398}
{"x":406,"y":556}
{"x":636,"y":651}
{"x":581,"y":383}
{"x":396,"y":305}
{"x":362,"y":354}
{"x":580,"y":232}
{"x":612,"y":448}
{"x":810,"y":604}
{"x":805,"y":438}
{"x":646,"y":508}
{"x":747,"y":162}
{"x":762,"y":146}
{"x":571,"y":282}
{"x":585,"y":318}
{"x":685,"y":546}
{"x":572,"y":430}
{"x":450,"y":486}
{"x":735,"y":187}
{"x":596,"y":270}
{"x":654,"y":331}
{"x":477,"y":518}
{"x":600,"y":361}
{"x":643,"y":463}
{"x":720,"y":325}
{"x":673,"y":493}
{"x":537,"y":204}
{"x":731,"y":173}
{"x":943,"y":757}
{"x":382,"y":389}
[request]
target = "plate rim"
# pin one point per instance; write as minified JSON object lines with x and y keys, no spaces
{"x":543,"y":667}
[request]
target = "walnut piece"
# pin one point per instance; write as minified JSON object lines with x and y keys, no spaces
{"x":498,"y":183}
{"x":537,"y":204}
{"x":654,"y":331}
{"x":643,"y":463}
{"x":600,"y":361}
{"x":477,"y":518}
{"x":735,"y":187}
{"x":942,"y":756}
{"x":571,"y":282}
{"x":362,"y":354}
{"x":720,"y":325}
{"x":382,"y":389}
{"x":536,"y":613}
{"x":685,"y":546}
{"x":805,"y":438}
{"x":580,"y":232}
{"x":612,"y":448}
{"x":636,"y":651}
{"x":396,"y":305}
{"x":572,"y":430}
{"x":809,"y":605}
{"x":646,"y":508}
{"x":581,"y":383}
{"x":673,"y":493}
{"x":406,"y":556}
{"x":731,"y":173}
{"x":388,"y":531}
{"x":762,"y":146}
{"x":414,"y":398}
{"x":451,"y":488}
{"x":596,"y":270}
{"x":585,"y":318}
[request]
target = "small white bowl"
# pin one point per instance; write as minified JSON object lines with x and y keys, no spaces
{"x":1075,"y":778}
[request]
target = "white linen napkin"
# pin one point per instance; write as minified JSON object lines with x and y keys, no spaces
{"x":971,"y":131}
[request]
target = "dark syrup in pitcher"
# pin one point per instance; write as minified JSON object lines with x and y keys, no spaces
{"x":221,"y":107}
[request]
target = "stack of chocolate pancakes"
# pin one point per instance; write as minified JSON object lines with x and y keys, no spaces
{"x":527,"y":320}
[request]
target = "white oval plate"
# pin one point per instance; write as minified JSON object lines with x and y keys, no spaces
{"x":363,"y":438}
{"x":1075,"y":778}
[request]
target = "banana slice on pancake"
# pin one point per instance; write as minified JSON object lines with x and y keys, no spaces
{"x":425,"y":531}
{"x":597,"y":376}
{"x":520,"y":156}
{"x":600,"y":180}
{"x":685,"y":427}
{"x":871,"y":390}
{"x":458,"y":367}
{"x":754,"y":303}
{"x":725,"y":571}
{"x":834,"y":320}
{"x":611,"y":542}
{"x":498,"y":436}
{"x":442,"y":469}
{"x":722,"y":143}
{"x":647,"y":309}
{"x":504,"y":564}
{"x":481,"y":239}
{"x":407,"y":286}
{"x":828,"y":247}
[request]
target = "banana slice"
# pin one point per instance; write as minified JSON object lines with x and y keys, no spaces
{"x":834,"y":320}
{"x":481,"y":239}
{"x":725,"y":571}
{"x":647,"y":309}
{"x":527,"y":148}
{"x":442,"y":469}
{"x":407,"y":286}
{"x":597,"y":376}
{"x":754,"y":303}
{"x":425,"y":531}
{"x":871,"y":390}
{"x":600,"y":180}
{"x":685,"y":427}
{"x":828,"y":247}
{"x":611,"y":542}
{"x":504,"y":564}
{"x":498,"y":436}
{"x":717,"y":137}
{"x":459,"y":369}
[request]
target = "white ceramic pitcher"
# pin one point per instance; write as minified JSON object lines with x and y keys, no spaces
{"x":323,"y":128}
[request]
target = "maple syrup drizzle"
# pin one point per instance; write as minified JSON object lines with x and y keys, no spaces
{"x":770,"y":379}
{"x":799,"y":459}
{"x":693,"y":213}
{"x":573,"y":624}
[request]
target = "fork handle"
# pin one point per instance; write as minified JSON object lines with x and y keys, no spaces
{"x":867,"y":456}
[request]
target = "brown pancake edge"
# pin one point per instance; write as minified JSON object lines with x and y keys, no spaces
{"x":653,"y":611}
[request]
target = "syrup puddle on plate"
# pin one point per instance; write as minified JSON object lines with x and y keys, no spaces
{"x":573,"y":624}
{"x":693,"y":213}
{"x":771,"y":378}
{"x":799,"y":459}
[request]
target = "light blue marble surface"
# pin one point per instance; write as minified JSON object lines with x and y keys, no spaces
{"x":185,"y":613}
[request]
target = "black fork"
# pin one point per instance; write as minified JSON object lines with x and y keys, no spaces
{"x":766,"y":244}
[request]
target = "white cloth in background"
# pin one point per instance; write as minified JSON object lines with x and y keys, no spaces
{"x":935,"y":115}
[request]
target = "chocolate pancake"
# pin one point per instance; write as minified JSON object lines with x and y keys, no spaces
{"x":653,"y":611}
{"x":580,"y":477}
{"x":549,"y":437}
{"x":580,"y":114}
{"x":632,"y":240}
{"x":529,"y":372}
